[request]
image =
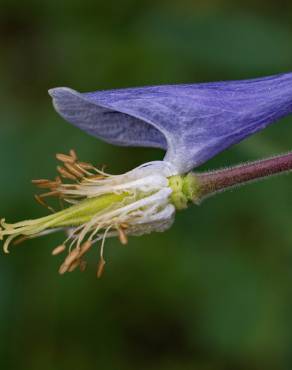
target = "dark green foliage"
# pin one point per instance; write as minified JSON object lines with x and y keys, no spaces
{"x":214,"y":292}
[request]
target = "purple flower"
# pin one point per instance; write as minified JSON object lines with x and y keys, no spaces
{"x":192,"y":122}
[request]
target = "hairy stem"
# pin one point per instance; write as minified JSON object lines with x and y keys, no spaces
{"x":210,"y":183}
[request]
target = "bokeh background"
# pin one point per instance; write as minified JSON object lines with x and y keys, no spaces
{"x":212,"y":293}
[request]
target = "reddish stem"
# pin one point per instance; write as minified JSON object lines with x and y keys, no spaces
{"x":212,"y":182}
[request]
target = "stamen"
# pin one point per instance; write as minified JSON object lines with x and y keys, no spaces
{"x":40,"y":181}
{"x":85,"y":165}
{"x":65,"y":158}
{"x":81,"y":170}
{"x":48,"y":185}
{"x":72,"y":256}
{"x":63,"y":268}
{"x":58,"y":250}
{"x":74,"y":265}
{"x":122,"y":236}
{"x":84,"y":170}
{"x":85,"y":247}
{"x":73,"y":170}
{"x":69,"y":260}
{"x":73,"y":154}
{"x":95,"y":177}
{"x":43,"y":203}
{"x":100,"y":268}
{"x":101,"y":263}
{"x":64,"y":173}
{"x":54,"y":193}
{"x":98,"y":227}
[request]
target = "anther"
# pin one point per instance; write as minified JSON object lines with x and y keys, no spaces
{"x":85,"y":165}
{"x":68,"y":261}
{"x":48,"y":185}
{"x":100,"y":268}
{"x":122,"y":236}
{"x":85,"y":247}
{"x":95,"y":177}
{"x":72,"y":256}
{"x":81,"y":169}
{"x":64,"y":173}
{"x":73,"y":170}
{"x":63,"y":268}
{"x":40,"y":181}
{"x":74,"y":265}
{"x":58,"y":250}
{"x":54,"y":193}
{"x":65,"y":158}
{"x":73,"y":154}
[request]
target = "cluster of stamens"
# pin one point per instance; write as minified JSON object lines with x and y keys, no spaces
{"x":77,"y":173}
{"x":99,"y":205}
{"x":71,"y":169}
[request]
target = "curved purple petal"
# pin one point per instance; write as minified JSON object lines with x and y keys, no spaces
{"x":192,"y":122}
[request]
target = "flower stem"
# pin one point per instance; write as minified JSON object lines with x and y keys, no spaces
{"x":210,"y":183}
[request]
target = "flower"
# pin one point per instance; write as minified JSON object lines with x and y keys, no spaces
{"x":191,"y":122}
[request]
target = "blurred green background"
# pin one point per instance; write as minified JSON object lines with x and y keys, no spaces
{"x":215,"y":291}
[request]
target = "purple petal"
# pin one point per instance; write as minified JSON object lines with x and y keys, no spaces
{"x":192,"y":122}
